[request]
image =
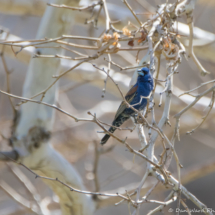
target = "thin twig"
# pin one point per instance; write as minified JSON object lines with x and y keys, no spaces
{"x":134,"y":14}
{"x":75,"y":8}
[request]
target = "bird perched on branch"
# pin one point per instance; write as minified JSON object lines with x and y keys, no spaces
{"x":136,"y":97}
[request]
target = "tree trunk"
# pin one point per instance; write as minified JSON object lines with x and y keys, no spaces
{"x":32,"y":129}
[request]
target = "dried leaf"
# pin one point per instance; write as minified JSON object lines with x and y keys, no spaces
{"x":131,"y":42}
{"x":126,"y":32}
{"x":116,"y":35}
{"x":107,"y":37}
{"x":143,"y":36}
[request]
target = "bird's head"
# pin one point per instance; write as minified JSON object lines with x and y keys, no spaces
{"x":144,"y":74}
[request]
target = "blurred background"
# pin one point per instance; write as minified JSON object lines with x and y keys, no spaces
{"x":81,"y":91}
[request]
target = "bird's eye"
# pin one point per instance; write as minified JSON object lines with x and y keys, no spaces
{"x":142,"y":72}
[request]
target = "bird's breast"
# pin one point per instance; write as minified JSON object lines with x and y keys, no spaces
{"x":145,"y":89}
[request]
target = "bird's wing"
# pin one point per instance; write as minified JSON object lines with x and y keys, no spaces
{"x":129,"y":97}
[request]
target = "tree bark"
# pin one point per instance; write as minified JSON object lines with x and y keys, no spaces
{"x":32,"y":129}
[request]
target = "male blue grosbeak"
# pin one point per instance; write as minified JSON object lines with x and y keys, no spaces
{"x":135,"y":97}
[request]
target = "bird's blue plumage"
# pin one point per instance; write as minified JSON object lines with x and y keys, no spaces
{"x":142,"y":88}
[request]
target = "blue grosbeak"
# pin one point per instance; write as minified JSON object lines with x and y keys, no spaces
{"x":135,"y":97}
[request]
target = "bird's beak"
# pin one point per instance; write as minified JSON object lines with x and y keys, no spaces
{"x":140,"y":73}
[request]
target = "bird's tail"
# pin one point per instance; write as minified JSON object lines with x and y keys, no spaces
{"x":105,"y":139}
{"x":117,"y":122}
{"x":107,"y":136}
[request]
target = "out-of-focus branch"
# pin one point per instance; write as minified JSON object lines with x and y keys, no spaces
{"x":28,"y":185}
{"x":26,"y":8}
{"x":33,"y":8}
{"x":17,"y":197}
{"x":5,"y":156}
